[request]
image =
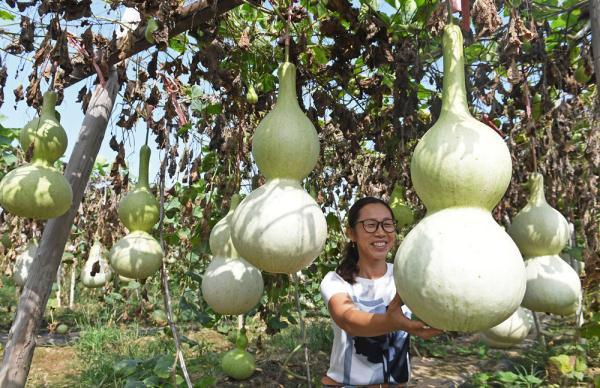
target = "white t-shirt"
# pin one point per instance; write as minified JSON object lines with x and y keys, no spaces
{"x":367,"y":360}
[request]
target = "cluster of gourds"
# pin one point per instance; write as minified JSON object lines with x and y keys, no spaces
{"x":541,"y":233}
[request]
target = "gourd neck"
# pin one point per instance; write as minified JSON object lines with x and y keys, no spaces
{"x":241,"y":341}
{"x":143,"y":182}
{"x":454,"y":94}
{"x":537,"y":196}
{"x":287,"y":85}
{"x":49,"y":104}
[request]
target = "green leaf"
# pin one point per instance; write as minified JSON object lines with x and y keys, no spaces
{"x":333,"y":223}
{"x":5,"y":15}
{"x":507,"y":377}
{"x":320,"y":54}
{"x":590,"y":330}
{"x":563,"y":363}
{"x":131,"y":383}
{"x":206,"y":382}
{"x":125,"y":368}
{"x":214,"y":109}
{"x":164,"y":366}
{"x":178,"y":43}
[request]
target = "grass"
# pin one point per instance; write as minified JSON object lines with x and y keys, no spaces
{"x":319,"y":336}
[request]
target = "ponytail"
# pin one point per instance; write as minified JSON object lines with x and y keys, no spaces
{"x":348,"y":268}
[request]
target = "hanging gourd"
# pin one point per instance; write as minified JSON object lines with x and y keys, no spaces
{"x":96,"y":271}
{"x":37,"y":190}
{"x":23,"y":263}
{"x":238,"y":363}
{"x":510,"y":332}
{"x":457,"y":269}
{"x":541,"y":232}
{"x":279,"y":227}
{"x":138,"y":255}
{"x":139,"y":209}
{"x":403,"y":213}
{"x":230,"y":284}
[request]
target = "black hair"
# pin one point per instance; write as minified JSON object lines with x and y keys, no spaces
{"x":348,"y":268}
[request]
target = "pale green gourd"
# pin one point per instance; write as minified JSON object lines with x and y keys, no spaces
{"x":539,"y":229}
{"x":285,"y":144}
{"x":278,"y":227}
{"x":96,"y":271}
{"x":457,"y":269}
{"x":139,"y":209}
{"x":23,"y":263}
{"x":136,"y":256}
{"x":403,"y":213}
{"x":541,"y":232}
{"x":230,"y":285}
{"x":37,"y":190}
{"x":510,"y":332}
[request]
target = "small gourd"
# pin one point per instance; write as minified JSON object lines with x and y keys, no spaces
{"x":96,"y":271}
{"x":510,"y":332}
{"x":251,"y":96}
{"x":139,"y":209}
{"x":138,"y":254}
{"x":457,"y":269}
{"x":279,"y":227}
{"x":37,"y":190}
{"x":23,"y":263}
{"x":541,"y":232}
{"x":238,"y":363}
{"x":403,"y":213}
{"x":230,"y":284}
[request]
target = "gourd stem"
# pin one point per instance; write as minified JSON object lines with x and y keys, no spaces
{"x":143,"y":181}
{"x":287,"y":84}
{"x":537,"y":196}
{"x":235,"y":201}
{"x":449,"y":7}
{"x":147,"y":133}
{"x":454,"y":94}
{"x":287,"y":33}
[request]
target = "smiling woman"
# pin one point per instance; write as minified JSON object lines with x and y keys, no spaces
{"x":371,"y":325}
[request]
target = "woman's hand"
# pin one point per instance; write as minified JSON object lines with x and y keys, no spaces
{"x":417,"y":328}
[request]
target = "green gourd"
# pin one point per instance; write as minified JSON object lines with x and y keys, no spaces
{"x":251,"y":96}
{"x":403,"y":213}
{"x":457,"y":269}
{"x":139,"y":210}
{"x":510,"y":332}
{"x":238,"y":363}
{"x":541,"y":232}
{"x":136,"y":256}
{"x":279,"y":227}
{"x":37,"y":190}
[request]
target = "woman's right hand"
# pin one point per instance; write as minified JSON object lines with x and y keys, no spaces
{"x":412,"y":327}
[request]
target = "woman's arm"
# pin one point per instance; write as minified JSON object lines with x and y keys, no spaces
{"x":363,"y":324}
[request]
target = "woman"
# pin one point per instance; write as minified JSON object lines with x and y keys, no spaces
{"x":370,"y":324}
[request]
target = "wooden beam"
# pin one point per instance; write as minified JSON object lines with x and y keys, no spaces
{"x":32,"y":304}
{"x":190,"y":17}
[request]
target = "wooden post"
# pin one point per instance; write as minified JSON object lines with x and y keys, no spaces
{"x":21,"y":338}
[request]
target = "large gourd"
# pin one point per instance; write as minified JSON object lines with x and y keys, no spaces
{"x":23,"y":263}
{"x":138,"y":254}
{"x":37,"y":190}
{"x":230,"y":284}
{"x":457,"y":269}
{"x":96,"y":271}
{"x":510,"y":332}
{"x":541,"y":232}
{"x":279,"y":227}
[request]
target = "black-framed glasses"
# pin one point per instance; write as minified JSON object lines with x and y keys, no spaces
{"x":370,"y":226}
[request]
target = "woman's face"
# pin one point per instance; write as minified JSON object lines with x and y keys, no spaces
{"x":375,"y":245}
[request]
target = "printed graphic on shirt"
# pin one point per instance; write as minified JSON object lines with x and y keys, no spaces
{"x":389,"y":350}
